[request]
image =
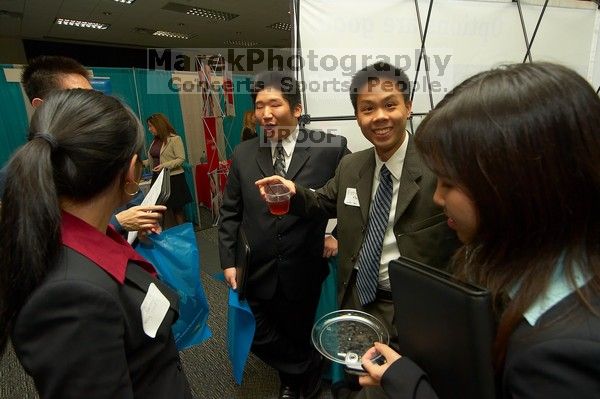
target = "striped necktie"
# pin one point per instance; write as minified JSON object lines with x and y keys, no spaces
{"x":279,"y":164}
{"x":370,"y":253}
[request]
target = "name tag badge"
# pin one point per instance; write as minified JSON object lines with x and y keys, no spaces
{"x":154,"y":309}
{"x":351,"y":197}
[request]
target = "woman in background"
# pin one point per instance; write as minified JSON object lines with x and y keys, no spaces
{"x":72,"y":291}
{"x":249,"y":128}
{"x":517,"y":152}
{"x":166,"y":151}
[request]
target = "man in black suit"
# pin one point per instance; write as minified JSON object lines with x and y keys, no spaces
{"x":288,"y":262}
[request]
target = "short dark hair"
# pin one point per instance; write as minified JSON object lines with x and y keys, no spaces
{"x":373,"y":73}
{"x":282,"y":81}
{"x":44,"y":74}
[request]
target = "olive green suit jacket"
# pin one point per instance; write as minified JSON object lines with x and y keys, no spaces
{"x":421,"y":227}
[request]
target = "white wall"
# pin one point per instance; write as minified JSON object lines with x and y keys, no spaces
{"x":464,"y":37}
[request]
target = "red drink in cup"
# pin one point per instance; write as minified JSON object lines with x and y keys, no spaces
{"x":279,"y":208}
{"x":278,"y":199}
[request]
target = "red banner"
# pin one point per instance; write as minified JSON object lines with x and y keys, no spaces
{"x":210,"y":137}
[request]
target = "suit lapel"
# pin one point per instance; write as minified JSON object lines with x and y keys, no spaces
{"x":299,"y":157}
{"x":411,"y":172}
{"x":364,"y":186}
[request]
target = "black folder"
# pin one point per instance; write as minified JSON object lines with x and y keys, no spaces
{"x":165,"y":188}
{"x":242,"y":262}
{"x":446,"y":326}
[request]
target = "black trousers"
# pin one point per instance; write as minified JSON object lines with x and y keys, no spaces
{"x":283,"y":334}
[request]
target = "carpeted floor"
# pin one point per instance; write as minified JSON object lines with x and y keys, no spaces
{"x":207,"y":366}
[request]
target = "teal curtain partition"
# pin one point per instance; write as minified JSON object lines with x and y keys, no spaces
{"x":14,"y":123}
{"x":122,"y":84}
{"x":135,"y":87}
{"x":232,"y":127}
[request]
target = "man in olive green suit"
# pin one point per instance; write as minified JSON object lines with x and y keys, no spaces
{"x":382,"y":198}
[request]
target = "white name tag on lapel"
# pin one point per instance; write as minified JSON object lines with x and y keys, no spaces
{"x":154,"y":309}
{"x":351,"y":197}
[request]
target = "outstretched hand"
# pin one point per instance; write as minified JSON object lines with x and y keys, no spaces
{"x":330,"y":246}
{"x":263,"y":184}
{"x":375,"y":370}
{"x":141,"y":217}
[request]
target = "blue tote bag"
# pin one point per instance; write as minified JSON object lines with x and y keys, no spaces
{"x":174,"y":254}
{"x":240,"y":331}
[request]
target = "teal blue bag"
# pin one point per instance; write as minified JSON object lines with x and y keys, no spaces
{"x":174,"y":254}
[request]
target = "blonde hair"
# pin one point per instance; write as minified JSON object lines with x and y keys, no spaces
{"x":249,"y":120}
{"x":249,"y":127}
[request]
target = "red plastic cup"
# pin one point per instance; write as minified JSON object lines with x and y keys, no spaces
{"x":278,"y":199}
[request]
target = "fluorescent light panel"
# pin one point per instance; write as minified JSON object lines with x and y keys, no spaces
{"x":211,"y":14}
{"x":81,"y":24}
{"x":125,"y":1}
{"x":243,"y":43}
{"x":172,"y":35}
{"x":280,"y":26}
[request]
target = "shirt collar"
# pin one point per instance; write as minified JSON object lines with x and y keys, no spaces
{"x":558,"y":289}
{"x":109,"y":251}
{"x":394,"y":164}
{"x":288,"y":143}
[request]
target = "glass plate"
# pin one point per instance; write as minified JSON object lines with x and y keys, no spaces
{"x":344,"y":336}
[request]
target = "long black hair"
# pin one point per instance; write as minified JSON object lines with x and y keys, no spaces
{"x":523,"y":141}
{"x":81,"y":141}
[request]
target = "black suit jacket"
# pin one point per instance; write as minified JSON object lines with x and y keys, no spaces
{"x":285,"y":250}
{"x":80,"y":335}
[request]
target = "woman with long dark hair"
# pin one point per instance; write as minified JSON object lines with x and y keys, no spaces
{"x":86,"y":314}
{"x":517,"y":154}
{"x":166,"y":151}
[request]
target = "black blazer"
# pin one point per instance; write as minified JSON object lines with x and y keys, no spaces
{"x":284,"y":249}
{"x":80,"y":335}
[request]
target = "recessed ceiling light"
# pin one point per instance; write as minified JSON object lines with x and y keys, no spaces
{"x":81,"y":24}
{"x":172,"y":35}
{"x":107,"y":13}
{"x":125,"y":1}
{"x":280,"y":26}
{"x":241,"y":43}
{"x":213,"y":15}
